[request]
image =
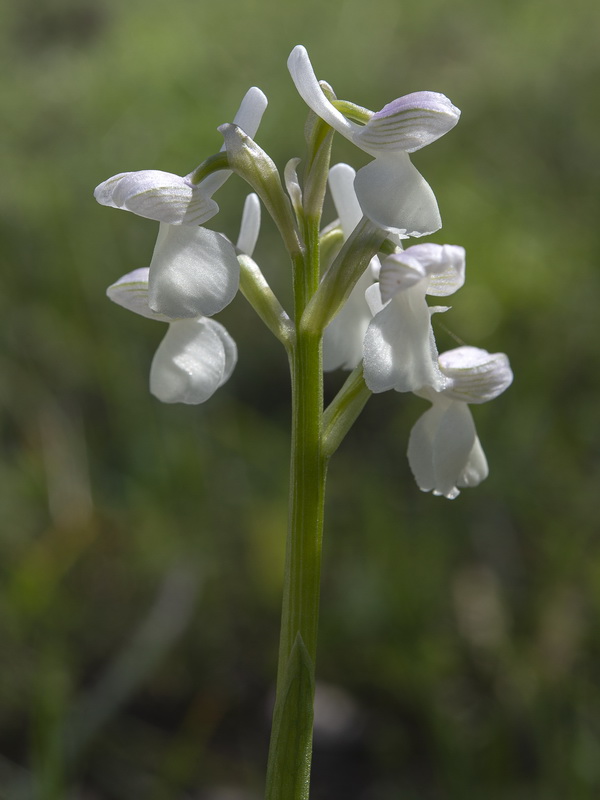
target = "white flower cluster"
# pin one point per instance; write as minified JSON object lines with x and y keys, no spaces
{"x":385,"y":322}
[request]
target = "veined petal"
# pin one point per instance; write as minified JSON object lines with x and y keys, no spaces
{"x":399,"y":346}
{"x":408,"y":123}
{"x":398,"y":272}
{"x":475,"y":376}
{"x":131,"y":292}
{"x":250,"y":225}
{"x":248,"y":118}
{"x":343,"y":337}
{"x":309,"y":90}
{"x":191,"y":362}
{"x":341,"y":185}
{"x":157,"y":195}
{"x":193,"y":271}
{"x":443,"y":263}
{"x":394,"y":196}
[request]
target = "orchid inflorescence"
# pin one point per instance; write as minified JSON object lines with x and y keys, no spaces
{"x":369,"y":304}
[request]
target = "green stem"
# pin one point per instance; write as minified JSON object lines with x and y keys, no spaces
{"x":258,"y":293}
{"x":343,"y":411}
{"x":290,"y":752}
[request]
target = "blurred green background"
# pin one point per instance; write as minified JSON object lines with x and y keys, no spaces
{"x":141,"y":545}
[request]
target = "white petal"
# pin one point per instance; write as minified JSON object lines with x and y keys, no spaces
{"x":452,"y":447}
{"x":251,"y":111}
{"x":399,"y":272}
{"x":248,"y":118}
{"x":250,"y":225}
{"x":157,"y":195}
{"x":442,"y":449}
{"x":343,"y":337}
{"x":373,"y":298}
{"x":103,"y":193}
{"x":191,"y":362}
{"x":193,"y":271}
{"x":420,"y":447}
{"x":399,"y":346}
{"x":309,"y":90}
{"x":444,"y":264}
{"x":476,"y":470}
{"x":292,"y":184}
{"x":131,"y":292}
{"x":394,"y":196}
{"x":229,"y":349}
{"x":475,"y":376}
{"x":409,"y":123}
{"x":341,"y":185}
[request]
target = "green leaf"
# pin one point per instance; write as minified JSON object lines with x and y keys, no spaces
{"x":288,"y":773}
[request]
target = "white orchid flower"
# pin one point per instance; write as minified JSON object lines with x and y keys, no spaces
{"x":197,"y":355}
{"x":343,"y":337}
{"x":444,"y":451}
{"x":173,"y":199}
{"x":390,"y":190}
{"x":399,"y":347}
{"x":194,"y":271}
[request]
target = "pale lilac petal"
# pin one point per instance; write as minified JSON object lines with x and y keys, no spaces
{"x":341,"y":185}
{"x":343,"y":337}
{"x":157,"y":195}
{"x":399,"y":346}
{"x":248,"y":118}
{"x":443,"y":263}
{"x":309,"y":90}
{"x":193,"y":271}
{"x":394,"y":196}
{"x":191,"y":362}
{"x":131,"y":292}
{"x":475,"y":376}
{"x":408,"y":123}
{"x":250,"y":225}
{"x":399,"y":272}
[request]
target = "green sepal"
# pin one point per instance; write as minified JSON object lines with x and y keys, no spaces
{"x":341,"y":277}
{"x":331,"y":240}
{"x":319,"y":137}
{"x":251,"y":163}
{"x":352,"y":111}
{"x":259,"y":294}
{"x":288,"y":772}
{"x":344,"y":409}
